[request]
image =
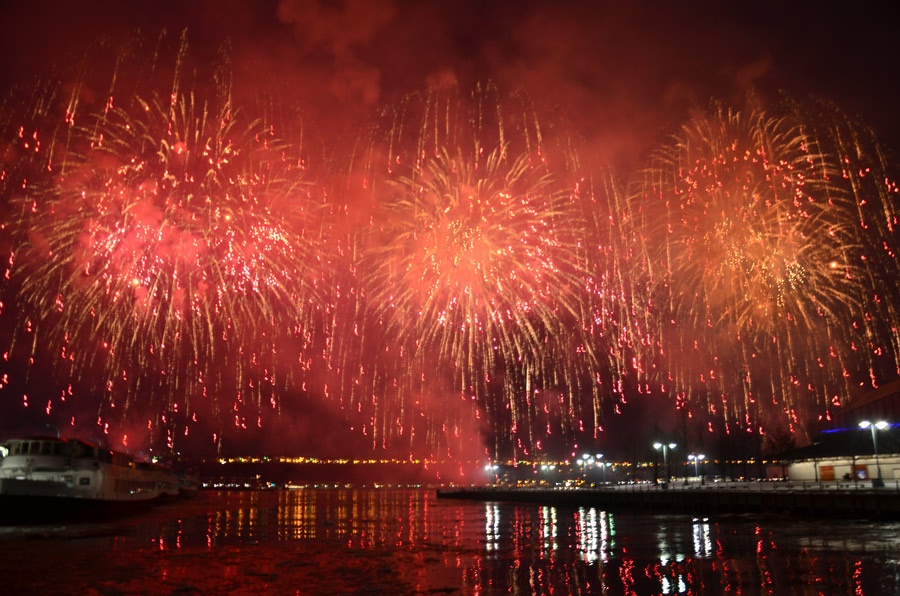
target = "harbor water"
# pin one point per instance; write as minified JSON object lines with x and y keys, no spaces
{"x":407,"y":541}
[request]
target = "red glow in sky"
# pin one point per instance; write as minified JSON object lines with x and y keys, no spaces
{"x":426,"y":222}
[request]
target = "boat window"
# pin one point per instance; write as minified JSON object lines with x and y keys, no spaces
{"x":46,"y":448}
{"x":84,"y":450}
{"x":35,"y":447}
{"x":57,"y":448}
{"x":84,"y":480}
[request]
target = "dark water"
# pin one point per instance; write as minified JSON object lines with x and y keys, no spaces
{"x":384,"y":541}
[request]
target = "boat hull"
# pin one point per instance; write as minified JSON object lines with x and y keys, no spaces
{"x":52,"y":480}
{"x":42,"y":503}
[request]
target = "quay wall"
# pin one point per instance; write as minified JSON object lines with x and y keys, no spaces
{"x":883,"y":502}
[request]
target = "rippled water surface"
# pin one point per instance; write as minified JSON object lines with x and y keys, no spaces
{"x":386,"y":541}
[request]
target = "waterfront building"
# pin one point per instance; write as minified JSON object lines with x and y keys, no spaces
{"x":849,"y":452}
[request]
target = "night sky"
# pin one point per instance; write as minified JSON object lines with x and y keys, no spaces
{"x":625,"y":73}
{"x":622,"y":76}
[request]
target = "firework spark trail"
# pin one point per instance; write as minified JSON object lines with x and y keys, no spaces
{"x":472,"y":269}
{"x":873,"y":196}
{"x":167,"y":249}
{"x":620,"y":322}
{"x":754,"y":253}
{"x":464,"y":276}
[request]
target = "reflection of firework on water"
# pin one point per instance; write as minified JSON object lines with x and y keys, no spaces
{"x":761,"y":270}
{"x":160,"y":254}
{"x":473,"y":275}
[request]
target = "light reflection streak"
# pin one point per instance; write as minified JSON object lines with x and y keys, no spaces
{"x":548,"y":531}
{"x":594,"y":534}
{"x":587,"y":533}
{"x":492,"y":527}
{"x":702,"y":541}
{"x":505,"y":548}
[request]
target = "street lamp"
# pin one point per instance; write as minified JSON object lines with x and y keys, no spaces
{"x":548,"y":470}
{"x":880,"y":425}
{"x":665,"y":449}
{"x":697,"y":459}
{"x":600,"y":464}
{"x":588,"y":461}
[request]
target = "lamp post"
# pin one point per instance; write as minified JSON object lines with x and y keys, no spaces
{"x":665,"y":449}
{"x":697,"y":459}
{"x":596,"y":459}
{"x":587,"y":461}
{"x":493,"y":476}
{"x":880,"y":425}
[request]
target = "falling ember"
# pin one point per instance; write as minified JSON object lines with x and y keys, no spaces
{"x":174,"y":231}
{"x":741,"y":212}
{"x":171,"y":248}
{"x":471,"y":266}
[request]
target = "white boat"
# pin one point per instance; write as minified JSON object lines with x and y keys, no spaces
{"x":53,"y":478}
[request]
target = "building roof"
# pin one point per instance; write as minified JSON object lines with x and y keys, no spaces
{"x":885,"y":390}
{"x":848,"y":442}
{"x":882,"y":403}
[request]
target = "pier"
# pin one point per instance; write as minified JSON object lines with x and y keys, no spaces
{"x":840,"y":499}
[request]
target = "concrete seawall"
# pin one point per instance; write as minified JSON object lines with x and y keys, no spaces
{"x":881,"y":503}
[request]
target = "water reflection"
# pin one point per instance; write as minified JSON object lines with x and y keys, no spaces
{"x":702,"y":541}
{"x":492,"y":527}
{"x":594,"y":531}
{"x":406,"y":541}
{"x":548,"y":531}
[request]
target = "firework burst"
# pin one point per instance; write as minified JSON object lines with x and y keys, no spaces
{"x":472,"y":272}
{"x":460,"y":275}
{"x":756,"y":259}
{"x":162,"y":253}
